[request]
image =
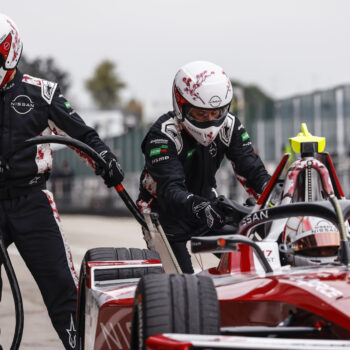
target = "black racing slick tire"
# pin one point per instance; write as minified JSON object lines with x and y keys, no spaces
{"x":174,"y":304}
{"x":111,"y":254}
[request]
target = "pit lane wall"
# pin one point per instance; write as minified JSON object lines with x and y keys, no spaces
{"x":326,"y":112}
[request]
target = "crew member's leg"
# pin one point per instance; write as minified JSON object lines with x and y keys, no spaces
{"x":35,"y":224}
{"x":177,"y":232}
{"x":183,"y":256}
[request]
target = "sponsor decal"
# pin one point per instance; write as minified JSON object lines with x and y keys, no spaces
{"x":226,"y":131}
{"x":34,"y":180}
{"x":246,"y":144}
{"x":319,"y":286}
{"x":193,"y":130}
{"x":213,"y":150}
{"x":103,"y":153}
{"x":159,"y":141}
{"x":209,"y":216}
{"x":190,"y":153}
{"x":158,"y":150}
{"x":72,"y":333}
{"x":116,"y":336}
{"x":260,"y":215}
{"x":8,"y":86}
{"x":160,"y":159}
{"x":215,"y":101}
{"x":67,"y":105}
{"x":245,"y":136}
{"x":323,"y":226}
{"x":200,"y":206}
{"x":170,"y":129}
{"x":22,"y":104}
{"x":6,"y":46}
{"x":47,"y":90}
{"x":31,"y":80}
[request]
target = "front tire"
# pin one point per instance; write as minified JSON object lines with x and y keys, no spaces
{"x":174,"y":304}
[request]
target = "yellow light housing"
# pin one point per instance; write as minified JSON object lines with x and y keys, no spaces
{"x":306,"y":139}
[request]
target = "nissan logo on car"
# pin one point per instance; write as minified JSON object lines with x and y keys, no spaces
{"x":258,"y":216}
{"x":22,"y":104}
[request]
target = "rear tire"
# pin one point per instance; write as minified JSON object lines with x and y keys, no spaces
{"x":174,"y":304}
{"x":111,"y":254}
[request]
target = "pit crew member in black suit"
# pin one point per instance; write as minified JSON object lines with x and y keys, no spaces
{"x":183,"y":151}
{"x":30,"y":107}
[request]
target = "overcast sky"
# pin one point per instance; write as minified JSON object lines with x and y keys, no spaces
{"x":285,"y":46}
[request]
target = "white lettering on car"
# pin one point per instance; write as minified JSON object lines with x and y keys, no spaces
{"x":111,"y":335}
{"x":260,"y":215}
{"x":321,"y":287}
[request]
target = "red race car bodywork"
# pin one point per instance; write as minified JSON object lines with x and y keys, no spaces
{"x":320,"y":295}
{"x":255,"y":289}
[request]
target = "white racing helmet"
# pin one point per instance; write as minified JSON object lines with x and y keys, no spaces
{"x":201,"y":85}
{"x":310,"y":241}
{"x":10,"y":48}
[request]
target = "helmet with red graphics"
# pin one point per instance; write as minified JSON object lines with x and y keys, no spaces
{"x":310,"y":241}
{"x":202,"y":95}
{"x":10,"y":48}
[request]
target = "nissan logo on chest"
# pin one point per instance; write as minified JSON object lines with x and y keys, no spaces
{"x":22,"y":104}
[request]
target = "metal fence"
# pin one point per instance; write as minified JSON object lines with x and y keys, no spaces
{"x":327,"y":113}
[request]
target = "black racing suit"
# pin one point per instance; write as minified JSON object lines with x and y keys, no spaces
{"x":176,"y":166}
{"x":31,"y":107}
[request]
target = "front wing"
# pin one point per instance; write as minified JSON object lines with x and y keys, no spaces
{"x":190,"y":341}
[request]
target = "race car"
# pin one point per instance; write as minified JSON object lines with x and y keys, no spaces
{"x":282,"y":281}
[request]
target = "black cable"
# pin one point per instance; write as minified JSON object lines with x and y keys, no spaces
{"x":17,"y":297}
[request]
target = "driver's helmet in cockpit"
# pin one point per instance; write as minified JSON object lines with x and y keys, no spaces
{"x":310,"y":241}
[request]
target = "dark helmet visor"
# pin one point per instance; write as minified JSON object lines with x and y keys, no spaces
{"x":187,"y":113}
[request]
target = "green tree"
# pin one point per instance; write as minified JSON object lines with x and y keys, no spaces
{"x":133,"y":111}
{"x":45,"y":68}
{"x":105,"y":85}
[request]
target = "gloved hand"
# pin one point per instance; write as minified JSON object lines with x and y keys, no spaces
{"x":112,"y":173}
{"x":208,"y":212}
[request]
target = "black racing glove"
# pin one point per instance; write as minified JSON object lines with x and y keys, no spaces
{"x":112,"y":173}
{"x":208,"y":212}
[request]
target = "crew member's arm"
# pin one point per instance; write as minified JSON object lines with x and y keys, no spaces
{"x":165,"y":170}
{"x":247,"y":165}
{"x":65,"y":121}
